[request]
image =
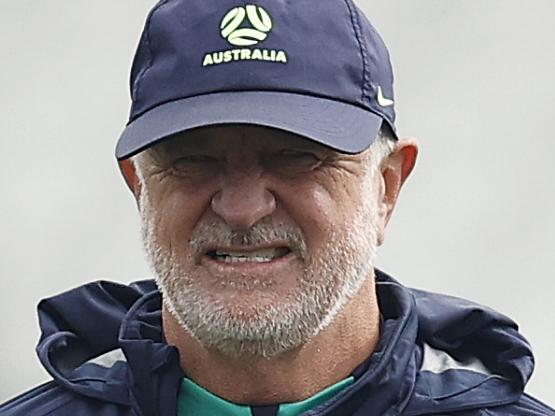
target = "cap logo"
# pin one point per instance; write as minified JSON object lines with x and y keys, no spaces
{"x":382,"y":101}
{"x":237,"y":32}
{"x":258,"y":18}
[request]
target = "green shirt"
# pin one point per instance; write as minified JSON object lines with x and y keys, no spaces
{"x":194,"y":400}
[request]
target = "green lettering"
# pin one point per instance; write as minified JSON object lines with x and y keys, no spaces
{"x":218,"y":57}
{"x":245,"y":54}
{"x":207,"y":60}
{"x":281,"y":57}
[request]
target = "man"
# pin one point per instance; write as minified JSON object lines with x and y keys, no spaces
{"x":263,"y":156}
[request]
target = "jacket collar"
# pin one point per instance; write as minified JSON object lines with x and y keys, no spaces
{"x":123,"y":325}
{"x":155,"y":369}
{"x":388,"y":376}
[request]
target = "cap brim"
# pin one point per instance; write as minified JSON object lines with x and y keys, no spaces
{"x":341,"y":126}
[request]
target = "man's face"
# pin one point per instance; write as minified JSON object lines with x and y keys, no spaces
{"x":257,"y":237}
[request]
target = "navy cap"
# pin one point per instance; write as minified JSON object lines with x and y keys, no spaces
{"x":314,"y":68}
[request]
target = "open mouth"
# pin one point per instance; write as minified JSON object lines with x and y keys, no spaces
{"x":256,"y":256}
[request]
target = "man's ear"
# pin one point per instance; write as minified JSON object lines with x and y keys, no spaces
{"x":129,"y":173}
{"x":394,"y":172}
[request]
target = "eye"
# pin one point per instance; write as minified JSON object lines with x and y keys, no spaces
{"x":193,"y":164}
{"x":293,"y":161}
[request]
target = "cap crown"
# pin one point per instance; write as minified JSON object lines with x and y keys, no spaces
{"x":322,"y":48}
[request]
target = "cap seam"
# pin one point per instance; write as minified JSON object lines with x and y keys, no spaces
{"x":356,"y":27}
{"x":141,"y":75}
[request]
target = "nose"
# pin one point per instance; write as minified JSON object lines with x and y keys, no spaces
{"x":243,"y":200}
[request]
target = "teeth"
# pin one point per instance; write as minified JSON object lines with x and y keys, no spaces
{"x":259,"y":256}
{"x":268,"y":253}
{"x":233,"y":259}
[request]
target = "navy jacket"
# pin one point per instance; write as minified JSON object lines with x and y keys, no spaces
{"x":104,"y":347}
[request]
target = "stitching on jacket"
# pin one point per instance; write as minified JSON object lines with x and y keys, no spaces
{"x":356,"y":26}
{"x":141,"y":75}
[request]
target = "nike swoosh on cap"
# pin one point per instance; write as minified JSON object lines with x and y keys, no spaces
{"x":384,"y":102}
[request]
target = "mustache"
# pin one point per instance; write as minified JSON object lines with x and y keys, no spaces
{"x":208,"y":234}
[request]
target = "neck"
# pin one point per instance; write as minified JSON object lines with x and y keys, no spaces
{"x":290,"y":377}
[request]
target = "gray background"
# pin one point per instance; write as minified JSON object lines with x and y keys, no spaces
{"x":474,"y":82}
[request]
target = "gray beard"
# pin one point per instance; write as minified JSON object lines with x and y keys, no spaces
{"x":331,"y":277}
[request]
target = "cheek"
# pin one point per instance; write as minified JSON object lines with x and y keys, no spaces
{"x":322,"y":208}
{"x":316,"y":210}
{"x":177,"y":211}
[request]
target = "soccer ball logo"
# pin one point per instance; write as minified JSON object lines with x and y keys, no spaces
{"x":258,"y":18}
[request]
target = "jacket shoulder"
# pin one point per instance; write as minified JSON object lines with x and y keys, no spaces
{"x":525,"y":406}
{"x":42,"y":400}
{"x":49,"y":399}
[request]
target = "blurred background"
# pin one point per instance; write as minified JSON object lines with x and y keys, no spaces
{"x":475,"y":83}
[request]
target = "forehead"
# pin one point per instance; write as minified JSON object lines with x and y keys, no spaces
{"x":223,"y":137}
